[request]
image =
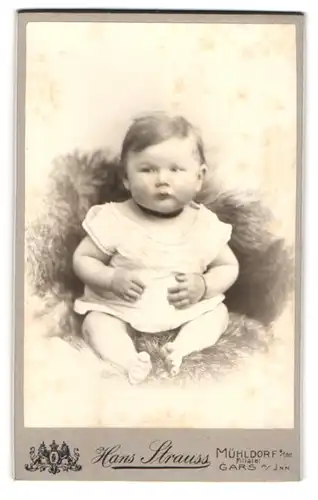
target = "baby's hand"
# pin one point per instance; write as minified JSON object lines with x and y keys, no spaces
{"x":127,"y":285}
{"x":189,"y":290}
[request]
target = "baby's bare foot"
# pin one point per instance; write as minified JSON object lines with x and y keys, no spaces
{"x":172,"y":357}
{"x":140,"y":368}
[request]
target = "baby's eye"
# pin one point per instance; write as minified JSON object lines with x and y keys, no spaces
{"x":176,"y":168}
{"x":147,"y":168}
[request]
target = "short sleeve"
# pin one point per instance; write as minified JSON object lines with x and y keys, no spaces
{"x":217,"y":235}
{"x":101,"y":225}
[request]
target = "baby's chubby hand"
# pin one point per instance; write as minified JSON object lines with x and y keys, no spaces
{"x":190,"y":289}
{"x":127,"y":285}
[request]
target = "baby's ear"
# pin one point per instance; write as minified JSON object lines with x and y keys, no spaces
{"x":125,"y":182}
{"x":203,"y":170}
{"x":124,"y":178}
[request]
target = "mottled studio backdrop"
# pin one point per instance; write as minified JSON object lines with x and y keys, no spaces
{"x":237,"y":83}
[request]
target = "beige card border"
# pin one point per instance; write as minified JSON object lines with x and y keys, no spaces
{"x":137,"y":440}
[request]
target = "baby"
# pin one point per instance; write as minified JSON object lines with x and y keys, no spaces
{"x":158,"y":261}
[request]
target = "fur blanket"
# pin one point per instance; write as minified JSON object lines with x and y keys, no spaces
{"x":79,"y":181}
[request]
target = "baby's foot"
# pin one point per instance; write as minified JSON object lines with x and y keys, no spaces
{"x":172,"y":358}
{"x":140,"y":368}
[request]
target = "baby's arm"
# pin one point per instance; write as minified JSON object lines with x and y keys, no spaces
{"x":90,"y":264}
{"x":221,"y":274}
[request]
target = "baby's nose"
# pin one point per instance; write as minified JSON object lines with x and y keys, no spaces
{"x":162,"y":178}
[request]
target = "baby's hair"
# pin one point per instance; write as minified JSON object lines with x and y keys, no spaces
{"x":149,"y":130}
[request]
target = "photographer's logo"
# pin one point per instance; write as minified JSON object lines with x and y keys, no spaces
{"x":54,"y":459}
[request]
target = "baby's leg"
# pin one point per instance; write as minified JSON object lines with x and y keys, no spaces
{"x":198,"y":334}
{"x":109,"y":338}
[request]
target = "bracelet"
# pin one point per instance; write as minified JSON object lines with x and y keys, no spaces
{"x":205,"y":286}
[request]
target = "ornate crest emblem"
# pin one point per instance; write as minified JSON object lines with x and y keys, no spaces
{"x":53,"y":459}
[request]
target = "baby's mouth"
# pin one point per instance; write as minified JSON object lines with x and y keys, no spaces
{"x":163,"y":195}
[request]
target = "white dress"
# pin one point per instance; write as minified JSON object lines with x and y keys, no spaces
{"x":144,"y":248}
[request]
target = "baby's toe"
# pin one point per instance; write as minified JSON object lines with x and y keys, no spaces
{"x":144,"y":357}
{"x":167,"y":349}
{"x":175,"y":366}
{"x":172,"y":359}
{"x":140,"y":369}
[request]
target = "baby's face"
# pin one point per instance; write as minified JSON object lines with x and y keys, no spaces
{"x":165,"y":177}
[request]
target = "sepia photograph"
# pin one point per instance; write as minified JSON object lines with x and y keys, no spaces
{"x":160,"y":235}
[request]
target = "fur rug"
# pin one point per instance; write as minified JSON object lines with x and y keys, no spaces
{"x":79,"y":181}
